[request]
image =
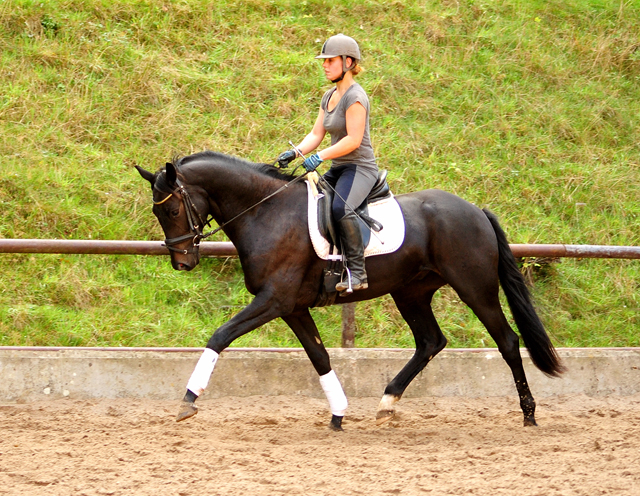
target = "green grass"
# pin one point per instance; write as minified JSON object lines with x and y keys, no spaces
{"x":527,"y":108}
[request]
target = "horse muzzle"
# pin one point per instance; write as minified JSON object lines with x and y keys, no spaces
{"x":184,"y":258}
{"x":185,"y":261}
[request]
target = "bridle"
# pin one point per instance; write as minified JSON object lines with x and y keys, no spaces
{"x":195,"y":220}
{"x":193,"y":217}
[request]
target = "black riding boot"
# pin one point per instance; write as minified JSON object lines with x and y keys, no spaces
{"x":351,"y":239}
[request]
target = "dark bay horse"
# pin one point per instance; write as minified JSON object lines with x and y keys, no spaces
{"x":448,"y":241}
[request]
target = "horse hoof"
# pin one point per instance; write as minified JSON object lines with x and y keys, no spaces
{"x":336,"y":423}
{"x":384,"y":416}
{"x":530,"y":422}
{"x":187,"y":410}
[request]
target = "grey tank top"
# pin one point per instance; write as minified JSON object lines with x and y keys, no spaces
{"x":335,"y":123}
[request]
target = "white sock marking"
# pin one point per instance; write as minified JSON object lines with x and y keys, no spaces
{"x":387,"y":402}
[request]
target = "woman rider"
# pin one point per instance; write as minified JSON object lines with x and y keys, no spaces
{"x":344,"y":113}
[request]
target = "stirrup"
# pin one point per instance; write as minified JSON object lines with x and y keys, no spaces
{"x":350,"y":289}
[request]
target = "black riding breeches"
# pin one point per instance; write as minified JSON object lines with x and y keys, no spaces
{"x":352,"y":184}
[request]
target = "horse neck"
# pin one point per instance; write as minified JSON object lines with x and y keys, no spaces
{"x":232,"y":188}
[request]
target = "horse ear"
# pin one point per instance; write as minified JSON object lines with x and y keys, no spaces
{"x":146,"y":175}
{"x":172,"y":174}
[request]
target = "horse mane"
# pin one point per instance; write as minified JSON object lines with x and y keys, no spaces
{"x":266,"y":169}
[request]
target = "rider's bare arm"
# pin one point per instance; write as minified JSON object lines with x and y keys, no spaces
{"x":312,"y":140}
{"x":356,"y":117}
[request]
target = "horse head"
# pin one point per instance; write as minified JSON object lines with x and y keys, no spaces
{"x":182,"y":210}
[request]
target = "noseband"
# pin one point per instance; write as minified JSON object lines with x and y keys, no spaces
{"x":194,"y":219}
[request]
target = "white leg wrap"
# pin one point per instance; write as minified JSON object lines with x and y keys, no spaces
{"x":202,"y":373}
{"x":335,"y":394}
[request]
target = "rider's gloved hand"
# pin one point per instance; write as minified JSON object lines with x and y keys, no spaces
{"x":311,"y":163}
{"x":286,"y":157}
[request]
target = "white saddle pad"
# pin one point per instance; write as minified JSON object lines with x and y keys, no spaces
{"x":386,"y":211}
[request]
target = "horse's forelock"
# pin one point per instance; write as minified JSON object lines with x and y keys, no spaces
{"x":161,"y":183}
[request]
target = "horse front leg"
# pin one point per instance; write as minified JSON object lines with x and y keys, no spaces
{"x":303,"y":326}
{"x":261,"y":310}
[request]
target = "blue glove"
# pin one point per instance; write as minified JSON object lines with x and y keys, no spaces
{"x":311,"y":163}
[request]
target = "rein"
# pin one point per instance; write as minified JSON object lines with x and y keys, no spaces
{"x":193,"y":214}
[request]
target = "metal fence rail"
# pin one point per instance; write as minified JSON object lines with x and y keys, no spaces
{"x":226,"y":249}
{"x":106,"y":247}
{"x":576,"y":251}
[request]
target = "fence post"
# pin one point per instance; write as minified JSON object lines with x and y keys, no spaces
{"x":349,"y":325}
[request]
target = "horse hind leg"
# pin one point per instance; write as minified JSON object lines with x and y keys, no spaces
{"x":415,"y":308}
{"x":509,"y":346}
{"x":486,"y":306}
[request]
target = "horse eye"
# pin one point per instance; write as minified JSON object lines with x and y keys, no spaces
{"x":175,"y":212}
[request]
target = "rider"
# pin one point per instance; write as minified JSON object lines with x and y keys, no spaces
{"x":344,"y":113}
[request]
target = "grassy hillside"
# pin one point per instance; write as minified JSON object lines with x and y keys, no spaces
{"x":527,"y":108}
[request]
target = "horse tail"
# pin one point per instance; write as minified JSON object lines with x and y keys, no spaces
{"x":535,"y":338}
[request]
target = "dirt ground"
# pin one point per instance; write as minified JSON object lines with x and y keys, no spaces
{"x":265,"y":445}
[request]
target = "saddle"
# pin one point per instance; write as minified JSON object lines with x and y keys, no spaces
{"x":326,"y":224}
{"x":332,"y":273}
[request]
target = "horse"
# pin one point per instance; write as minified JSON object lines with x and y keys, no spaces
{"x":263,"y":211}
